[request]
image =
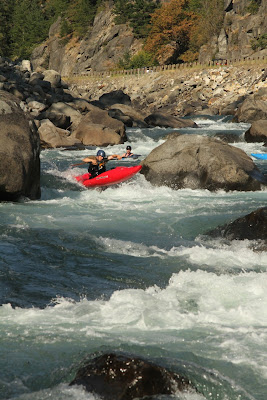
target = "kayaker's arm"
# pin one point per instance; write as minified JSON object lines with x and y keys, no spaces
{"x":90,"y":159}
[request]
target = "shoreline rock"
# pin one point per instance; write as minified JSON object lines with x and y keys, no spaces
{"x":20,"y":152}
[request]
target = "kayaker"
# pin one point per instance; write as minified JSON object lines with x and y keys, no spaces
{"x":127,"y":154}
{"x":97,"y":164}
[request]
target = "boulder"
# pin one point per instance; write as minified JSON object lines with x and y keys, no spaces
{"x":228,"y":137}
{"x":115,"y":97}
{"x":201,"y":162}
{"x":97,"y":135}
{"x":118,"y":114}
{"x":53,"y":137}
{"x":65,"y":109}
{"x":252,"y":226}
{"x":60,"y":120}
{"x":252,"y":110}
{"x":123,"y":377}
{"x":53,"y":77}
{"x":257,"y":132}
{"x":20,"y":150}
{"x":97,"y":128}
{"x":169,"y":121}
{"x":137,"y":117}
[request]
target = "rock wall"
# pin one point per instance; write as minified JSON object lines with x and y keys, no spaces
{"x":240,"y":28}
{"x":100,"y":50}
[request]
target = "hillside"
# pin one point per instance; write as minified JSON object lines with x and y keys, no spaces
{"x":243,"y":33}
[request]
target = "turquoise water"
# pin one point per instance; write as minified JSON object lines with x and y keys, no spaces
{"x":130,"y":269}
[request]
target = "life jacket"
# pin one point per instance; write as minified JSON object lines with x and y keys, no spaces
{"x":125,"y":155}
{"x":98,"y":169}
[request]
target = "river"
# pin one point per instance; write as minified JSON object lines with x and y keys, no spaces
{"x":130,"y":269}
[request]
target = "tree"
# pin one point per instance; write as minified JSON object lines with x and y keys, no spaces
{"x":209,"y":23}
{"x":141,"y":11}
{"x":137,"y":13}
{"x":171,"y":26}
{"x":30,"y":27}
{"x":6,"y":10}
{"x":81,"y":14}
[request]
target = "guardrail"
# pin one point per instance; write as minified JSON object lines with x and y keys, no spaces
{"x":173,"y":67}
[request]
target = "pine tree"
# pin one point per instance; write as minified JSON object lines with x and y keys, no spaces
{"x":30,"y":27}
{"x":81,"y":14}
{"x":137,"y":13}
{"x":6,"y":10}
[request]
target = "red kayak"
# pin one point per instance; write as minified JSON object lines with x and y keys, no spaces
{"x":108,"y":178}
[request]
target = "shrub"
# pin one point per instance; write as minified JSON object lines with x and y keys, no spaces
{"x":253,"y":6}
{"x":138,"y":60}
{"x":260,"y":43}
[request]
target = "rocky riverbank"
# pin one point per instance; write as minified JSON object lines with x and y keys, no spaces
{"x":181,"y":92}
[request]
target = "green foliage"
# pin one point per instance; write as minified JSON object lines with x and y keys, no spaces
{"x":81,"y":15}
{"x":122,"y":11}
{"x":253,"y":6}
{"x":65,"y":28}
{"x":260,"y":43}
{"x":6,"y":7}
{"x":29,"y":27}
{"x":139,"y":60}
{"x":195,"y":6}
{"x":25,"y":23}
{"x":210,"y":21}
{"x":54,"y":8}
{"x":137,"y":13}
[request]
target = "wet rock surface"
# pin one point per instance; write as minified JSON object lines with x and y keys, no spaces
{"x":121,"y":377}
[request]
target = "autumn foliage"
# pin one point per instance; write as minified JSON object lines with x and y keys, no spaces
{"x":171,"y":27}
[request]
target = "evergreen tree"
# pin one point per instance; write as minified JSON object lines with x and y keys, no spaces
{"x":122,"y":10}
{"x":81,"y":14}
{"x":30,"y":27}
{"x":141,"y":15}
{"x":137,"y":13}
{"x":6,"y":10}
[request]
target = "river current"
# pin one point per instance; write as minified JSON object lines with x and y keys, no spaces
{"x":130,"y":269}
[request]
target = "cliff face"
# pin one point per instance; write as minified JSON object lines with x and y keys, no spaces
{"x":105,"y":43}
{"x":101,"y":48}
{"x":240,"y":28}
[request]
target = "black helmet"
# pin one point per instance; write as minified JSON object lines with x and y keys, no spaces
{"x":101,"y":153}
{"x":128,"y":148}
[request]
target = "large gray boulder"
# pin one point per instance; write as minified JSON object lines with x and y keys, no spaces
{"x":201,"y":162}
{"x":253,"y":108}
{"x":19,"y":152}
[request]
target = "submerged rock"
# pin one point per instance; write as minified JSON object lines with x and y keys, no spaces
{"x":121,"y":377}
{"x":252,"y":227}
{"x":169,"y":121}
